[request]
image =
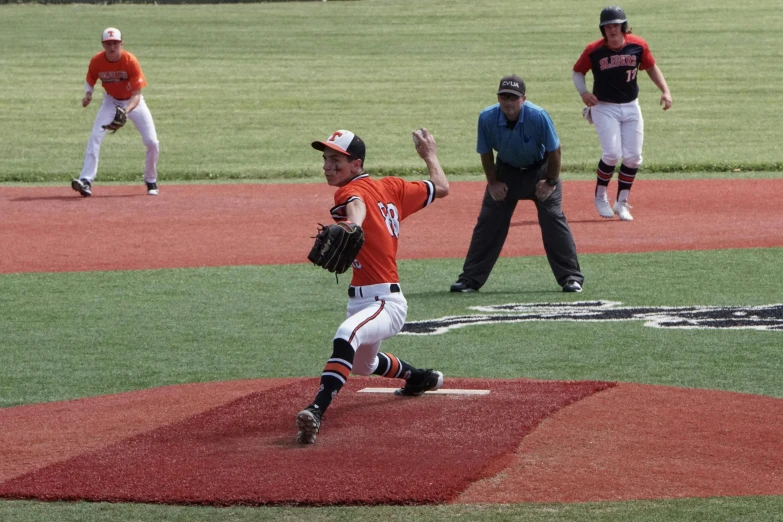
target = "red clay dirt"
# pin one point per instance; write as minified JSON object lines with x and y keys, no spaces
{"x":640,"y":441}
{"x":424,"y":450}
{"x":52,"y":229}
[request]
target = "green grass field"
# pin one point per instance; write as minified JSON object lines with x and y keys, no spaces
{"x":85,"y":334}
{"x":239,"y":91}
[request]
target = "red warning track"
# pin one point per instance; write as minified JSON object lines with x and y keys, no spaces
{"x":121,"y":228}
{"x":529,"y":441}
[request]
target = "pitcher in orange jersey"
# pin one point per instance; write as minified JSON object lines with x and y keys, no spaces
{"x":122,"y":79}
{"x":376,"y":305}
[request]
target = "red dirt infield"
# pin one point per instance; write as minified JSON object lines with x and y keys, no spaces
{"x":52,"y":229}
{"x":548,"y":441}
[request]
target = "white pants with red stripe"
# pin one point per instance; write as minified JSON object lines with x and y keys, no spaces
{"x":141,"y":118}
{"x":378,"y":315}
{"x":620,"y":128}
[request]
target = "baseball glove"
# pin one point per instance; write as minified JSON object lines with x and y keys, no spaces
{"x":120,"y":117}
{"x":587,"y":114}
{"x":336,"y":246}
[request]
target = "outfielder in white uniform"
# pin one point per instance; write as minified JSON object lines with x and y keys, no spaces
{"x":122,"y":79}
{"x":613,"y":106}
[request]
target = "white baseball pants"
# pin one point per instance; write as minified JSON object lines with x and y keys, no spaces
{"x":378,"y":315}
{"x":620,"y":128}
{"x":141,"y":118}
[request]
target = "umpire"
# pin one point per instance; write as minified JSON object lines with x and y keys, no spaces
{"x":527,"y":167}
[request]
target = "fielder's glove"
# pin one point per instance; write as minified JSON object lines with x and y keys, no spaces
{"x":336,"y":246}
{"x":120,"y":117}
{"x":587,"y":114}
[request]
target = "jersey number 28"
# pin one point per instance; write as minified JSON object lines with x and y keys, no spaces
{"x":392,"y":218}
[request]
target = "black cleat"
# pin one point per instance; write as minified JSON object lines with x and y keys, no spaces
{"x":82,"y":186}
{"x":430,"y":380}
{"x":309,"y":423}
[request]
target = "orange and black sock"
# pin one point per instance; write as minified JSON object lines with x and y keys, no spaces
{"x":335,"y":373}
{"x":393,"y":367}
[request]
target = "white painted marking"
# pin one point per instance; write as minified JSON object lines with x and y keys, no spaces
{"x":444,"y":391}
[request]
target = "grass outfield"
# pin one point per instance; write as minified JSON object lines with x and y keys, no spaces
{"x":85,"y":334}
{"x":755,"y":509}
{"x":239,"y":91}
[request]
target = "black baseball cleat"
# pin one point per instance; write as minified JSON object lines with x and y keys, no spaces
{"x":463,"y":286}
{"x":152,"y":188}
{"x":82,"y":186}
{"x":430,"y":380}
{"x":572,"y":286}
{"x":309,"y":423}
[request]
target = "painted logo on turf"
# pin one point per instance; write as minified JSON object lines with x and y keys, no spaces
{"x":766,"y":317}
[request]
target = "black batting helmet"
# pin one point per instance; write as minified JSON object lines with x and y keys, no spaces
{"x":613,"y":15}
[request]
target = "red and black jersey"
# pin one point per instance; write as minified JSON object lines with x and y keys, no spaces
{"x":614,"y":72}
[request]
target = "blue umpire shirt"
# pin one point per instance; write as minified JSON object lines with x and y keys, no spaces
{"x":523,"y":145}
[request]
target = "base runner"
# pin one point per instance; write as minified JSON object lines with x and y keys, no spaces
{"x":613,"y":106}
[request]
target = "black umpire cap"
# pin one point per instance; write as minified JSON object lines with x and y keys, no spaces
{"x":512,"y":84}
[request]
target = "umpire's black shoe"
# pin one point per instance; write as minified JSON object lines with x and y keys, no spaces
{"x":309,"y":423}
{"x":572,"y":286}
{"x":428,"y":381}
{"x":463,"y":286}
{"x":82,"y":186}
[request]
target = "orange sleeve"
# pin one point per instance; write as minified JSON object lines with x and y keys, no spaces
{"x":416,"y":196}
{"x":135,"y":76}
{"x":92,"y":70}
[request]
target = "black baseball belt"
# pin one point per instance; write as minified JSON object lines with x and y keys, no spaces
{"x":356,"y":291}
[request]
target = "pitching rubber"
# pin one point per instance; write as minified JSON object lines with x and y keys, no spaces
{"x":444,"y":391}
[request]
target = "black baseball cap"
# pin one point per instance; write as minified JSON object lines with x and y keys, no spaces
{"x":512,"y":84}
{"x":345,"y":142}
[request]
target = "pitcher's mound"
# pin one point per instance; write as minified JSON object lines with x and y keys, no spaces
{"x":373,"y":448}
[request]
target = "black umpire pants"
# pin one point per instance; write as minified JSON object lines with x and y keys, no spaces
{"x":494,"y":220}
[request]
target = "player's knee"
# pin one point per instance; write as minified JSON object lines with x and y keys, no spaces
{"x":345,"y":332}
{"x":342,"y":349}
{"x":363,"y":368}
{"x":633,"y":162}
{"x":152,"y":144}
{"x":611,"y":157}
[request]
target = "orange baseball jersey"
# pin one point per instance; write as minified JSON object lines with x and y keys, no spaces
{"x":388,"y":201}
{"x":119,"y":78}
